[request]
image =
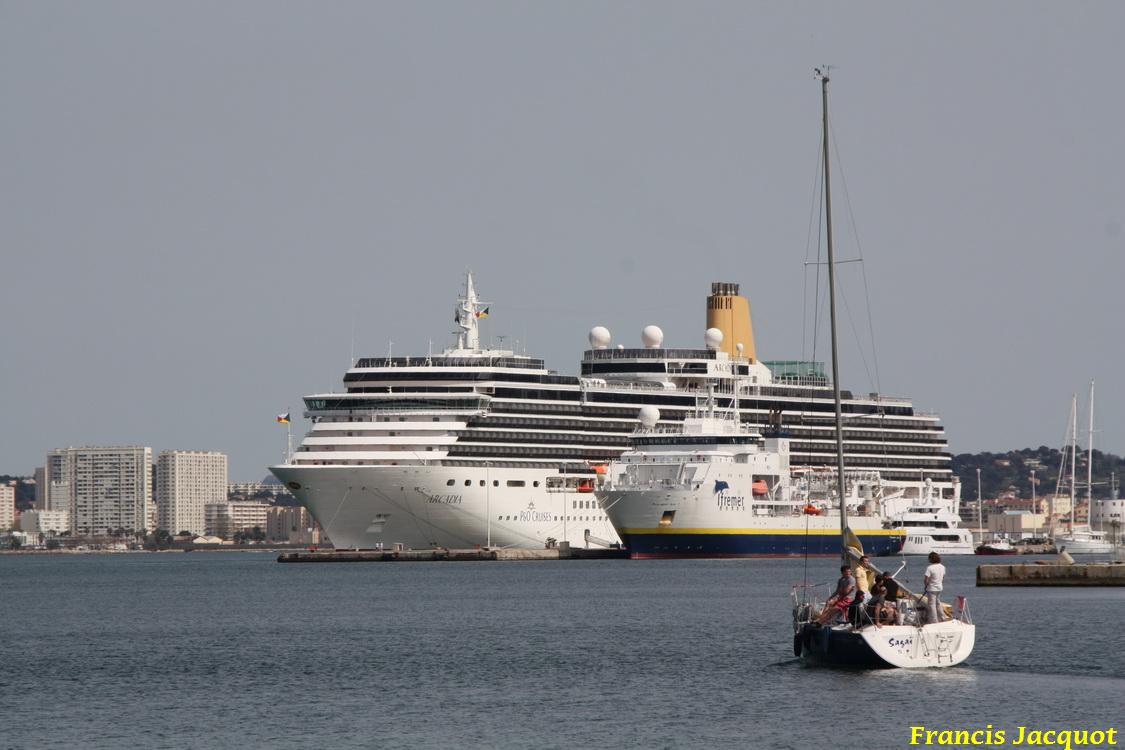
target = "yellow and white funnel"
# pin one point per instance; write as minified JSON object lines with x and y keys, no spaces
{"x":730,"y":313}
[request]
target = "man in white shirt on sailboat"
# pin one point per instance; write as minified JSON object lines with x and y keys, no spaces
{"x":934,"y":578}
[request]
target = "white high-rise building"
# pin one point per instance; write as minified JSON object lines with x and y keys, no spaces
{"x":7,"y":506}
{"x":186,"y":482}
{"x":102,"y":489}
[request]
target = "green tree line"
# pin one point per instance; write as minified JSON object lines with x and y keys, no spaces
{"x":1011,"y":471}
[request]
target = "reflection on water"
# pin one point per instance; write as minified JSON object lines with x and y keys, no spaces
{"x":225,"y":650}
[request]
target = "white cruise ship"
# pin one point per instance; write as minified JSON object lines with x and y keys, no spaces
{"x":488,"y":447}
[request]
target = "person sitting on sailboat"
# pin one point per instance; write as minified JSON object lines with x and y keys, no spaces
{"x":837,"y":604}
{"x":933,"y":578}
{"x":893,"y":595}
{"x":858,"y":613}
{"x":878,"y":598}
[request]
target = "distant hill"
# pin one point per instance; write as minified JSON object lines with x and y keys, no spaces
{"x":1011,"y":471}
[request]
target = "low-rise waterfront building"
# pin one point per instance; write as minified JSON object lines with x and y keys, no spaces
{"x":49,"y":523}
{"x":1017,"y":524}
{"x":226,"y":519}
{"x":1107,"y":513}
{"x":292,"y":525}
{"x":208,"y":540}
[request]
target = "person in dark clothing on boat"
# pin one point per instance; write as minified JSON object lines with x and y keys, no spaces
{"x":857,"y":613}
{"x":893,"y":594}
{"x":891,"y":585}
{"x":878,"y":598}
{"x":838,"y":603}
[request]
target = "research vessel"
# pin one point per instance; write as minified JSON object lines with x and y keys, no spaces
{"x":712,"y":487}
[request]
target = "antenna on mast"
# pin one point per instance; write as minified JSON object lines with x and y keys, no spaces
{"x":466,"y":316}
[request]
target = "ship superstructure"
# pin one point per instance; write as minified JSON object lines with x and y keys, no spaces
{"x":488,"y":446}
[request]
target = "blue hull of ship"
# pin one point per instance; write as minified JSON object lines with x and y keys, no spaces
{"x":751,"y":545}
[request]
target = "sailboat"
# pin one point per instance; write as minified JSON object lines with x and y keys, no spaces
{"x":913,"y":643}
{"x":1083,"y":540}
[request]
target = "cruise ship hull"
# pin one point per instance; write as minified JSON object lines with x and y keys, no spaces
{"x":423,"y":506}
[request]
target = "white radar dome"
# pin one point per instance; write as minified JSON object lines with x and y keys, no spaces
{"x":652,"y":337}
{"x":648,"y":416}
{"x":713,"y":339}
{"x":738,"y":348}
{"x":599,"y":337}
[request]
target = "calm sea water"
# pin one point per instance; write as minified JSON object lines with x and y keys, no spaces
{"x":234,"y":650}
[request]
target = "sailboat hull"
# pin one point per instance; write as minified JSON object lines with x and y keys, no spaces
{"x":943,"y":644}
{"x":832,"y":647}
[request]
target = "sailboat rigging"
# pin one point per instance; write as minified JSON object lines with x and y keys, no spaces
{"x":911,"y":641}
{"x":1082,"y":539}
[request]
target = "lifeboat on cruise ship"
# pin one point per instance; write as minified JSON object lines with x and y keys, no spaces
{"x":760,"y":487}
{"x":585,"y":485}
{"x":599,"y":468}
{"x":811,"y":510}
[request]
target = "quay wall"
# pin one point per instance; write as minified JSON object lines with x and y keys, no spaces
{"x":1078,"y":574}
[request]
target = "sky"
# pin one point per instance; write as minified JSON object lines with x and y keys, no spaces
{"x":207,"y":207}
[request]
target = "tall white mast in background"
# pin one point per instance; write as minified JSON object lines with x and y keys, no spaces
{"x":1090,"y":462}
{"x":467,"y":316}
{"x":1073,"y":452}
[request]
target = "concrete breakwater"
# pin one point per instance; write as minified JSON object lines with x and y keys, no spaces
{"x":1052,"y":574}
{"x":451,"y":555}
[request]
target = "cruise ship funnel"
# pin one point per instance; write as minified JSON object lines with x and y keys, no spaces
{"x":728,"y":311}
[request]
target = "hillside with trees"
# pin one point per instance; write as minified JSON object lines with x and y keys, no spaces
{"x":1011,"y":472}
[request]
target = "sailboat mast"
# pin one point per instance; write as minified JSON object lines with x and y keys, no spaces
{"x":841,"y":484}
{"x":1073,"y":452}
{"x":1090,"y":463}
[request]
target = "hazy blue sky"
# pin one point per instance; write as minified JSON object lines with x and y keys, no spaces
{"x":200,"y":201}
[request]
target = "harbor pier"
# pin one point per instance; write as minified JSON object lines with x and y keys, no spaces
{"x":451,"y":555}
{"x":1052,"y":574}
